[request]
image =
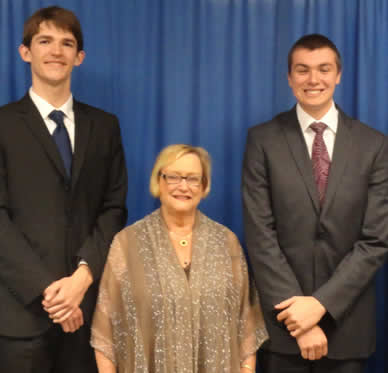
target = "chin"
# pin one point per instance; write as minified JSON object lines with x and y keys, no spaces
{"x":183,"y":209}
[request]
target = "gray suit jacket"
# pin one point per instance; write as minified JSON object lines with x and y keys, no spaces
{"x":297,"y":248}
{"x":47,"y":222}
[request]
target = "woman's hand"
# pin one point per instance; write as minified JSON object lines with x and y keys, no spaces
{"x":249,"y":365}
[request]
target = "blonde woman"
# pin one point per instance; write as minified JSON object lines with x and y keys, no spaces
{"x":175,"y":295}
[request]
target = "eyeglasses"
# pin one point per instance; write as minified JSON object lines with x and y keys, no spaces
{"x":192,"y":180}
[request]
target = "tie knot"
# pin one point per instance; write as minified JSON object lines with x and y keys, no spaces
{"x":318,"y":127}
{"x":57,"y":117}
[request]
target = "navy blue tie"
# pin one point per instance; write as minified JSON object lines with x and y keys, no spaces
{"x":61,"y":138}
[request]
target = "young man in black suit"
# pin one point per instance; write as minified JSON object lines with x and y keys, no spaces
{"x":315,"y":193}
{"x":63,"y":185}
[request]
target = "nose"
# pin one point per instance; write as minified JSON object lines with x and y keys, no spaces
{"x":56,"y":49}
{"x":183,"y":184}
{"x":314,"y":77}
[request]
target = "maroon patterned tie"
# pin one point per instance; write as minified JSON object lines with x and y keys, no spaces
{"x":320,"y":159}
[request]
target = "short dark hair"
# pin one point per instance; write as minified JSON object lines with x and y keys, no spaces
{"x":62,"y":18}
{"x":312,"y":42}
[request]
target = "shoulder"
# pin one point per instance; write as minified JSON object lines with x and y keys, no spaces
{"x":13,"y":116}
{"x":272,"y":127}
{"x":365,"y":135}
{"x":211,"y":224}
{"x":130,"y":230}
{"x":140,"y":227}
{"x":11,"y":107}
{"x":223,"y":231}
{"x":16,"y":106}
{"x":94,"y":113}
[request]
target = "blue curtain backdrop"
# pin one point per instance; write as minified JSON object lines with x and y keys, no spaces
{"x":202,"y":72}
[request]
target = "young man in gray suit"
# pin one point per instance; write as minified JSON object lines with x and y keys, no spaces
{"x":315,"y":194}
{"x":63,"y":186}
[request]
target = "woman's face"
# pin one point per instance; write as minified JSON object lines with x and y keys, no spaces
{"x":181,"y":195}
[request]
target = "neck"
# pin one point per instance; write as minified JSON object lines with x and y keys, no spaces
{"x":317,"y":114}
{"x":54,"y":95}
{"x":180,"y":223}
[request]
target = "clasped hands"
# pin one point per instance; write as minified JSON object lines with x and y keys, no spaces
{"x":62,"y":298}
{"x":301,"y":315}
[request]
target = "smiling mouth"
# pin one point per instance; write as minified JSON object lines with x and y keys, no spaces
{"x":57,"y":63}
{"x":313,"y":92}
{"x":182,"y":198}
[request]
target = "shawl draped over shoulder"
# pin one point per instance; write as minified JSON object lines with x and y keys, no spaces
{"x":150,"y":317}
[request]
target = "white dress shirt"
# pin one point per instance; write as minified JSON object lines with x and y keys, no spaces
{"x":330,"y":119}
{"x":45,"y":109}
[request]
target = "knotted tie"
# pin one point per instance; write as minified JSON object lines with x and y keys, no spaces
{"x":320,"y":159}
{"x":61,"y":138}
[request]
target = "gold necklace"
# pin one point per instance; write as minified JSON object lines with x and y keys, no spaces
{"x":184,"y":240}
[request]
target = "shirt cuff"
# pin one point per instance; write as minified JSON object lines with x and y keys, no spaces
{"x":82,"y":262}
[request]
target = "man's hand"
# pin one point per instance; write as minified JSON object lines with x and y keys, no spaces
{"x":73,"y":322}
{"x":64,"y":296}
{"x":313,"y":344}
{"x":300,"y":314}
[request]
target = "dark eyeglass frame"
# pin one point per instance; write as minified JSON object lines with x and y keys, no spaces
{"x":196,"y":183}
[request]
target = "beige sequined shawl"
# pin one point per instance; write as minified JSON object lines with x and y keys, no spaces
{"x":151,"y":318}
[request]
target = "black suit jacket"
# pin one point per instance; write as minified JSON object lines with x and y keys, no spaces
{"x":297,"y":248}
{"x":48,"y":222}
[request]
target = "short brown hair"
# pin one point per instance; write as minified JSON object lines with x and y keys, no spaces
{"x":312,"y":42}
{"x":62,"y":18}
{"x":173,"y":152}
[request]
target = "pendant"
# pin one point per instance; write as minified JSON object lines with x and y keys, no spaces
{"x":183,"y":242}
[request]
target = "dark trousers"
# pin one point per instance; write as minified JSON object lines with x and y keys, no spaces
{"x":52,"y":352}
{"x":271,"y":362}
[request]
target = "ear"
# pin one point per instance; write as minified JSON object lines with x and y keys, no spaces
{"x":338,"y":80}
{"x":289,"y":79}
{"x":205,"y":191}
{"x":80,"y":58}
{"x":25,"y":53}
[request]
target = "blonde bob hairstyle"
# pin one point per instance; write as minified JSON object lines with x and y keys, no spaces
{"x":173,"y":152}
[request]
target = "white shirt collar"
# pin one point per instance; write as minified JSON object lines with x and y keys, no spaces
{"x":330,"y":118}
{"x":46,"y":108}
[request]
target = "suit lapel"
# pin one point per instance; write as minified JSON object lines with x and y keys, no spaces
{"x":35,"y":123}
{"x":341,"y":152}
{"x":83,"y":126}
{"x":298,"y":148}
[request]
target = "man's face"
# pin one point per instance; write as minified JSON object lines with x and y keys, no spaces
{"x":52,"y":55}
{"x":313,"y":78}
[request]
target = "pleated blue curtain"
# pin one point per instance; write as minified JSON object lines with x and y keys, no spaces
{"x":202,"y":72}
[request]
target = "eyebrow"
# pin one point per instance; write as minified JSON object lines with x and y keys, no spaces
{"x":43,"y":36}
{"x":70,"y":40}
{"x":180,"y":173}
{"x":320,"y":65}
